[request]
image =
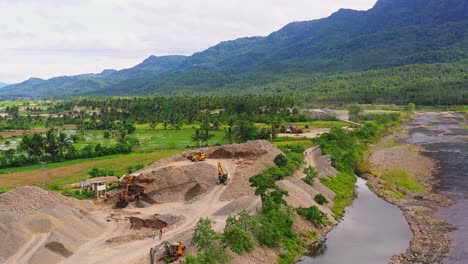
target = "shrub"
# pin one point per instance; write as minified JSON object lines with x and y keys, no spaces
{"x":295,"y":148}
{"x":107,"y":134}
{"x":55,"y":186}
{"x":273,"y":227}
{"x":320,"y":199}
{"x":281,"y":160}
{"x":98,"y":172}
{"x":311,"y":173}
{"x":237,"y":239}
{"x":208,"y":244}
{"x":131,"y":168}
{"x":314,"y":215}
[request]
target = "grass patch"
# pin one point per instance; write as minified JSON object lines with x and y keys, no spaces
{"x":5,"y":189}
{"x":390,"y":144}
{"x":119,"y":165}
{"x":306,"y":143}
{"x":343,"y":185}
{"x":61,"y":173}
{"x":311,"y":124}
{"x":400,"y":183}
{"x":151,"y":139}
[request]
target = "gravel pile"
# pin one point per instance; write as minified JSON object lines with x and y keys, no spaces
{"x":29,"y":199}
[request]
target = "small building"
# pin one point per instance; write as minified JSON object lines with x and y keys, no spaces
{"x":98,"y":187}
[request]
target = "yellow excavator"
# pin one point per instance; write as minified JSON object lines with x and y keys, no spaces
{"x":223,"y":176}
{"x":173,"y":252}
{"x":197,"y":156}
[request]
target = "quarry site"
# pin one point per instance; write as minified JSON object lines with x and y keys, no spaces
{"x":39,"y":226}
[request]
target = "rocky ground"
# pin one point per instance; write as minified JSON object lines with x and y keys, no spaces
{"x":45,"y":227}
{"x":430,"y":242}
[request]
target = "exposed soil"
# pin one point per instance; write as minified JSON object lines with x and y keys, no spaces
{"x":18,"y":133}
{"x":194,"y":192}
{"x":178,"y":193}
{"x":58,"y":248}
{"x":29,"y":199}
{"x":153,"y":223}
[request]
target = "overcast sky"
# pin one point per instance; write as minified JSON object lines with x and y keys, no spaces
{"x":48,"y":38}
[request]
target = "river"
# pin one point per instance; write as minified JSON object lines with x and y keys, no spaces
{"x":372,"y":231}
{"x":447,"y":142}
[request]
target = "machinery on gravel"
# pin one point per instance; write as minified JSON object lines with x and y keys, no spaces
{"x":197,"y":156}
{"x":131,"y":193}
{"x":173,"y":251}
{"x":223,"y":175}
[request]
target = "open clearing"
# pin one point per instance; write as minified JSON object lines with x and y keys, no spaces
{"x":71,"y":171}
{"x":178,"y":193}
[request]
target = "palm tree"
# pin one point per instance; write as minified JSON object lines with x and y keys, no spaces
{"x":51,"y":146}
{"x":33,"y":146}
{"x":64,"y":143}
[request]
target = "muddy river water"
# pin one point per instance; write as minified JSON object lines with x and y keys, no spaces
{"x":447,"y":142}
{"x":371,"y":233}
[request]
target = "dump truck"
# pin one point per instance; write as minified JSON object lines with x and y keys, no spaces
{"x":223,"y":175}
{"x":173,"y":251}
{"x":197,"y":156}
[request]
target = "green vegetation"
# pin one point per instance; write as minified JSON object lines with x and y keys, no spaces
{"x":238,"y":232}
{"x":209,"y":245}
{"x":314,"y":215}
{"x":132,"y":168}
{"x":311,"y":173}
{"x":347,"y":150}
{"x":399,"y":182}
{"x":280,"y":160}
{"x":343,"y":186}
{"x":320,"y":199}
{"x":4,"y":190}
{"x":99,"y":172}
{"x":274,"y":222}
{"x":376,"y":58}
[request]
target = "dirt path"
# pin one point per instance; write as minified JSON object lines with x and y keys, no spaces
{"x":97,"y":251}
{"x":25,"y":254}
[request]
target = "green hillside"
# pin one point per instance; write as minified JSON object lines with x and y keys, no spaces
{"x":398,"y":51}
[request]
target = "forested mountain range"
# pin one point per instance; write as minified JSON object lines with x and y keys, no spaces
{"x":396,"y":52}
{"x":3,"y":84}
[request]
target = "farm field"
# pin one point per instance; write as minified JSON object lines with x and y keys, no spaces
{"x":71,"y":171}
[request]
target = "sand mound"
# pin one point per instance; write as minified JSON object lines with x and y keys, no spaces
{"x":153,"y":223}
{"x":61,"y":227}
{"x":246,"y":150}
{"x":29,"y":199}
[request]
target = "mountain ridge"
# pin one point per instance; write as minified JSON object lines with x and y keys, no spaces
{"x":393,"y":33}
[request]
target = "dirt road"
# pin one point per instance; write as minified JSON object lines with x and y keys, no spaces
{"x":99,"y":251}
{"x":26,"y":252}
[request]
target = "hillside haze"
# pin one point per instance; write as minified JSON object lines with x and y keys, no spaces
{"x":429,"y":35}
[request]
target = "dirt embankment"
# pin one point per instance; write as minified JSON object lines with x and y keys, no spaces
{"x":46,"y":227}
{"x":430,"y":241}
{"x":38,"y":226}
{"x":300,"y":194}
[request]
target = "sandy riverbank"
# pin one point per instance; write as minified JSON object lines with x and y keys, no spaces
{"x":430,"y":242}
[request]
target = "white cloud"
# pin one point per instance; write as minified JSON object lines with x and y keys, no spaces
{"x":54,"y":37}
